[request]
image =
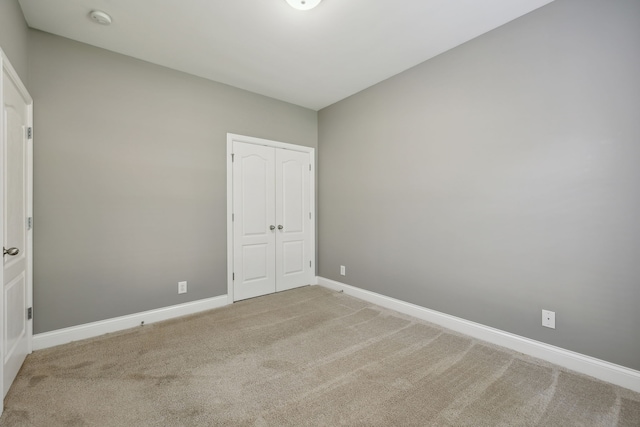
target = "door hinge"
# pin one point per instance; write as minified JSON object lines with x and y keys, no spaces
{"x":29,"y":132}
{"x":309,"y":215}
{"x":29,"y":223}
{"x":309,"y":168}
{"x":232,"y":157}
{"x":233,"y":276}
{"x":309,"y":264}
{"x":29,"y":313}
{"x":233,"y":217}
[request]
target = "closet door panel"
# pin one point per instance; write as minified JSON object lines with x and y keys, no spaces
{"x":254,"y":214}
{"x":293,"y":254}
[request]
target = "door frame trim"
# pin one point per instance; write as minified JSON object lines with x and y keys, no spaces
{"x":6,"y":66}
{"x":231,"y":138}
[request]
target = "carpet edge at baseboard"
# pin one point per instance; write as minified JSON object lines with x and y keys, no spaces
{"x":597,"y":368}
{"x":603,"y":370}
{"x":94,"y":329}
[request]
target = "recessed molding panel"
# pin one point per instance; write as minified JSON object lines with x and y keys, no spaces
{"x":254,"y":191}
{"x":14,"y":303}
{"x":255,"y":259}
{"x":293,"y":257}
{"x":293,"y":196}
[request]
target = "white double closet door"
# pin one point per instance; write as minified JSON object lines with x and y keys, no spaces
{"x":272,"y":219}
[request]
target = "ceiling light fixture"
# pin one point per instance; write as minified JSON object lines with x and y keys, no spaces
{"x":100,"y":17}
{"x":303,"y":4}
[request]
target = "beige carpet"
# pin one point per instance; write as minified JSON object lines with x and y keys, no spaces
{"x":304,"y":357}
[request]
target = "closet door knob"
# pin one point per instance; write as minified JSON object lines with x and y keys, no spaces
{"x":272,"y":227}
{"x":280,"y":227}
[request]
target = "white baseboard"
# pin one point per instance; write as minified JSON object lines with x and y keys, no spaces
{"x":605,"y":371}
{"x":94,"y":329}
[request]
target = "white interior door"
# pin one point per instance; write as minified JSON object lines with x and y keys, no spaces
{"x":16,"y":165}
{"x":253,"y":220}
{"x":293,"y":215}
{"x":271,"y":242}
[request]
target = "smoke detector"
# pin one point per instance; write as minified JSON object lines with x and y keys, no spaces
{"x":303,"y":4}
{"x":100,"y":17}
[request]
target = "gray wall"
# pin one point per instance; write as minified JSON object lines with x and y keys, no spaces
{"x":14,"y":36}
{"x":500,"y":178}
{"x":130,"y":179}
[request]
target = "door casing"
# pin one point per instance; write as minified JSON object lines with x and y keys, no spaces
{"x":230,"y":236}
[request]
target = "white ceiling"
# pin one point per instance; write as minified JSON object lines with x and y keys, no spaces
{"x":312,"y":58}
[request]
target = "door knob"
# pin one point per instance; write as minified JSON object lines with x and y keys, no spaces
{"x":10,"y":251}
{"x":280,"y":227}
{"x":272,"y":227}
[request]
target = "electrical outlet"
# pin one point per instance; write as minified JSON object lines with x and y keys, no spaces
{"x":182,"y":287}
{"x":549,"y":319}
{"x":343,"y":270}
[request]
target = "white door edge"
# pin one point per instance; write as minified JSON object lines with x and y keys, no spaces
{"x":7,"y":68}
{"x":231,"y":137}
